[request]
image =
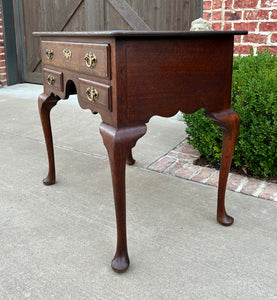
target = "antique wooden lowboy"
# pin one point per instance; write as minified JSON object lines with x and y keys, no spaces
{"x":127,"y":77}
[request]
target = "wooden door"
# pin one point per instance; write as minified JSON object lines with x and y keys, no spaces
{"x":45,"y":15}
{"x":82,"y":15}
{"x":142,"y":14}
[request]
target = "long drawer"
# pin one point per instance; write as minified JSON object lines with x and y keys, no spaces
{"x":87,"y":58}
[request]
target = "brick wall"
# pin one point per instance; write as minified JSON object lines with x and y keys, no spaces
{"x":259,"y":17}
{"x":3,"y":75}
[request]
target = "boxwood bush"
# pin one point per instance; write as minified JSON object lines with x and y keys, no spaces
{"x":254,"y":98}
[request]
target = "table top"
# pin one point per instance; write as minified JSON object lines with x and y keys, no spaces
{"x":132,"y":33}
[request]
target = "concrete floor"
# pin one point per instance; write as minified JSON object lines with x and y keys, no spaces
{"x":57,"y":241}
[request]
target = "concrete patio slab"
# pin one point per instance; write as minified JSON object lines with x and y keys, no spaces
{"x":56,"y":242}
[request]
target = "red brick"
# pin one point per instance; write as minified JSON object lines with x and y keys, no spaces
{"x":230,"y":16}
{"x":3,"y":82}
{"x":234,"y":182}
{"x":2,"y":63}
{"x":214,"y":179}
{"x":228,"y":4}
{"x":251,"y":186}
{"x":203,"y":175}
{"x":216,"y":26}
{"x":245,"y":3}
{"x":186,"y":149}
{"x":274,"y":38}
{"x":207,"y":16}
{"x":256,"y":15}
{"x":242,"y":49}
{"x":217,"y":4}
{"x":228,"y":26}
{"x":188,"y":171}
{"x":250,"y":26}
{"x":272,"y":49}
{"x":274,"y":14}
{"x":162,"y":164}
{"x":255,"y":38}
{"x":269,"y":192}
{"x":268,"y":26}
{"x":216,"y":16}
{"x":175,"y":167}
{"x":2,"y":56}
{"x":207,"y":5}
{"x":237,"y":39}
{"x":182,"y":156}
{"x":267,"y":3}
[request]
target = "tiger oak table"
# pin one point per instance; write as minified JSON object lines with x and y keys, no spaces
{"x":127,"y":77}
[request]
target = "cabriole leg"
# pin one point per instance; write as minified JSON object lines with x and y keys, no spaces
{"x":45,"y":104}
{"x":130,"y":160}
{"x":228,"y":121}
{"x":119,"y":142}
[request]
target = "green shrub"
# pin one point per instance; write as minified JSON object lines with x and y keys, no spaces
{"x":254,"y":98}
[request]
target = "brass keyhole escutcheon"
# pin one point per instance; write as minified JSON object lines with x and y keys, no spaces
{"x":67,"y":53}
{"x":49,"y":54}
{"x":92,"y":94}
{"x":50,"y":79}
{"x":90,"y":59}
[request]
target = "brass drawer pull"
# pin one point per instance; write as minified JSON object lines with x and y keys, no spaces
{"x":49,"y":54}
{"x":51,"y":79}
{"x":67,"y":53}
{"x":90,"y":60}
{"x":92,"y":94}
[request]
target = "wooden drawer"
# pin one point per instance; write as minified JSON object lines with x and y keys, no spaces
{"x":86,"y":58}
{"x":53,"y":79}
{"x":96,"y":94}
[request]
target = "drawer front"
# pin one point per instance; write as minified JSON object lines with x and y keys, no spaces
{"x":96,"y":94}
{"x":53,"y":79}
{"x":87,"y":58}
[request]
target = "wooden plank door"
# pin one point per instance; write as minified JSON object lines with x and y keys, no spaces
{"x":45,"y":15}
{"x":81,"y":15}
{"x":142,"y":14}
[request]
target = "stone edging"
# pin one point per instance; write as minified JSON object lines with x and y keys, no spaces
{"x":179,"y":163}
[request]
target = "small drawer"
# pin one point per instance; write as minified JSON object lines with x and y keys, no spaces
{"x":87,"y":58}
{"x":53,"y":79}
{"x":97,"y":94}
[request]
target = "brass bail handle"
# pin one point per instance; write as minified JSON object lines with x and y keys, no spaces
{"x":67,"y":53}
{"x":49,"y":54}
{"x":90,"y":59}
{"x":50,"y":79}
{"x":92,"y":94}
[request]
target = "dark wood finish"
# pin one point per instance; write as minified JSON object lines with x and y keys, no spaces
{"x":103,"y":102}
{"x":130,"y":160}
{"x":119,"y":142}
{"x":45,"y":104}
{"x":151,"y":73}
{"x":228,"y":121}
{"x":58,"y":84}
{"x":77,"y":61}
